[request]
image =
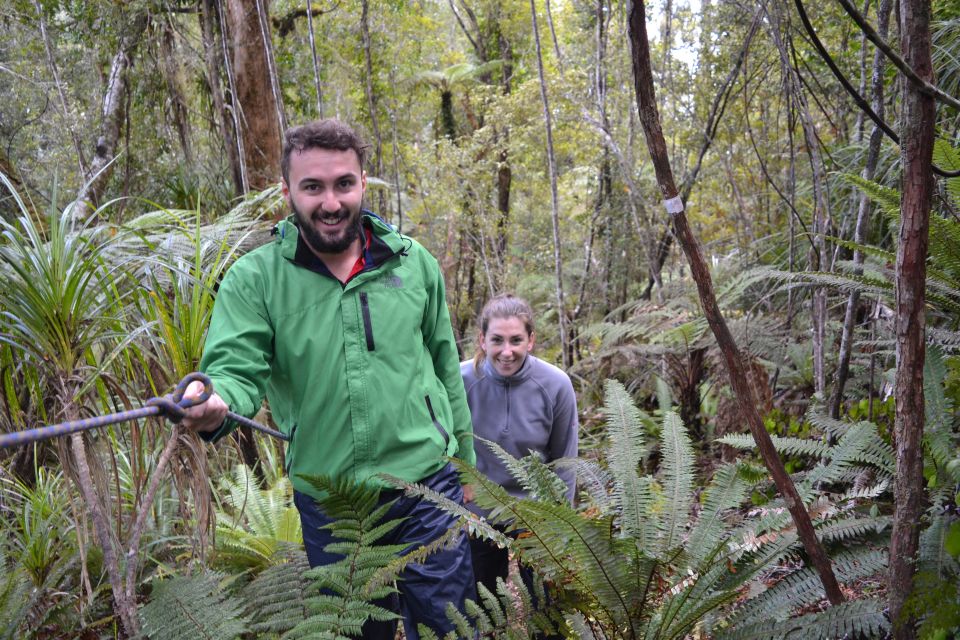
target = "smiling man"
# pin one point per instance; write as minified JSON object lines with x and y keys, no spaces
{"x":341,"y":322}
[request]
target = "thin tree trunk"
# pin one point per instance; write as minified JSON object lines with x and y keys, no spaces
{"x":650,"y":118}
{"x":821,"y":213}
{"x":553,"y":36}
{"x":604,"y":177}
{"x":371,"y":95}
{"x":918,"y":120}
{"x":264,"y":23}
{"x":554,"y":196}
{"x":112,"y":117}
{"x":717,"y":108}
{"x":316,"y":62}
{"x":255,"y":106}
{"x":504,"y":171}
{"x":214,"y":56}
{"x":126,"y":609}
{"x":863,"y":216}
{"x":52,"y":62}
{"x":178,"y":103}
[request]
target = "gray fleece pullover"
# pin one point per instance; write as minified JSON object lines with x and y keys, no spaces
{"x":535,"y":409}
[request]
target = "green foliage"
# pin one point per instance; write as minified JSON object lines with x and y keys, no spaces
{"x":276,"y":598}
{"x":858,"y":619}
{"x":254,"y":524}
{"x":935,"y":599}
{"x":664,"y":571}
{"x":190,"y":607}
{"x":351,"y":585}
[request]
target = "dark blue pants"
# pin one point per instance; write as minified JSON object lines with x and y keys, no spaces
{"x":425,"y":589}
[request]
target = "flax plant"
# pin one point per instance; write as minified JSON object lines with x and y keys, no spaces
{"x":59,"y":314}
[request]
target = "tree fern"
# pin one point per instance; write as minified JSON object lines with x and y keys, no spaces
{"x":186,"y":608}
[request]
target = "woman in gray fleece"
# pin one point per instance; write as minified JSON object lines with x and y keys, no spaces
{"x":520,"y":402}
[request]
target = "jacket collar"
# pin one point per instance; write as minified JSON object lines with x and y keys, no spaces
{"x":384,"y":244}
{"x":522,"y":374}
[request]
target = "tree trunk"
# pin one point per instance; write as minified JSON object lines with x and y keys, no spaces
{"x":212,"y":29}
{"x":52,"y":62}
{"x":257,"y":109}
{"x":821,"y":211}
{"x":179,"y":111}
{"x":377,"y":159}
{"x":554,"y":197}
{"x":917,"y":123}
{"x":113,"y":113}
{"x":316,"y":61}
{"x":863,"y":214}
{"x":650,"y":119}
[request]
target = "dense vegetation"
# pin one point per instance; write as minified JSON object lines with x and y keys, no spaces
{"x":139,"y":155}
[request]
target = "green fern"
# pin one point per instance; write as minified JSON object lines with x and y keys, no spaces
{"x":186,"y":608}
{"x":253,"y":524}
{"x":350,"y":586}
{"x":645,"y":566}
{"x":276,"y":597}
{"x":677,"y":479}
{"x":633,"y":493}
{"x":855,"y":620}
{"x":532,"y":473}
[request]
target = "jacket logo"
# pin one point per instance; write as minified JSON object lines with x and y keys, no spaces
{"x":392,"y":282}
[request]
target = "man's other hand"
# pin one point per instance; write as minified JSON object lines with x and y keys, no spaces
{"x":207,"y":416}
{"x":467,"y":493}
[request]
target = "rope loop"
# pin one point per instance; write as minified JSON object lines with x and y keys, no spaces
{"x":173,"y":406}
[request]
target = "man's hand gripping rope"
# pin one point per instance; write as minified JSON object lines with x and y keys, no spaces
{"x":192,"y":404}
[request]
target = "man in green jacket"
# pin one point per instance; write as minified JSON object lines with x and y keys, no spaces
{"x":342,"y":323}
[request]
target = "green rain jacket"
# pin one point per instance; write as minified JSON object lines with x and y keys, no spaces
{"x":363,"y":376}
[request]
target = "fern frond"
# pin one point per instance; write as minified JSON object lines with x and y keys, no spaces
{"x":531,"y":473}
{"x":632,"y":492}
{"x":676,"y":470}
{"x":804,"y":587}
{"x":858,"y":619}
{"x":487,"y":494}
{"x":276,"y":597}
{"x":850,"y":528}
{"x":887,"y":198}
{"x":786,"y":446}
{"x":185,"y":608}
{"x":594,"y":481}
{"x":933,"y":555}
{"x":725,"y":492}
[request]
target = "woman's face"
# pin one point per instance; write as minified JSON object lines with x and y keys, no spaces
{"x":506,"y":343}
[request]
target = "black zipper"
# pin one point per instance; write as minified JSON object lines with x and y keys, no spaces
{"x":367,"y":325}
{"x":293,"y":432}
{"x":436,"y":423}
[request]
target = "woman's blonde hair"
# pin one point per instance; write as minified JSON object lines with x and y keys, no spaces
{"x":505,"y":305}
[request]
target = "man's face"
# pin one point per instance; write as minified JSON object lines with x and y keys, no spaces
{"x":325,"y":192}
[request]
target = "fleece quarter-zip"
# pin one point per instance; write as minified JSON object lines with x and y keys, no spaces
{"x":534,"y":410}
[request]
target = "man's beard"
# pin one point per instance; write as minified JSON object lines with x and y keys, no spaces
{"x":324,"y":244}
